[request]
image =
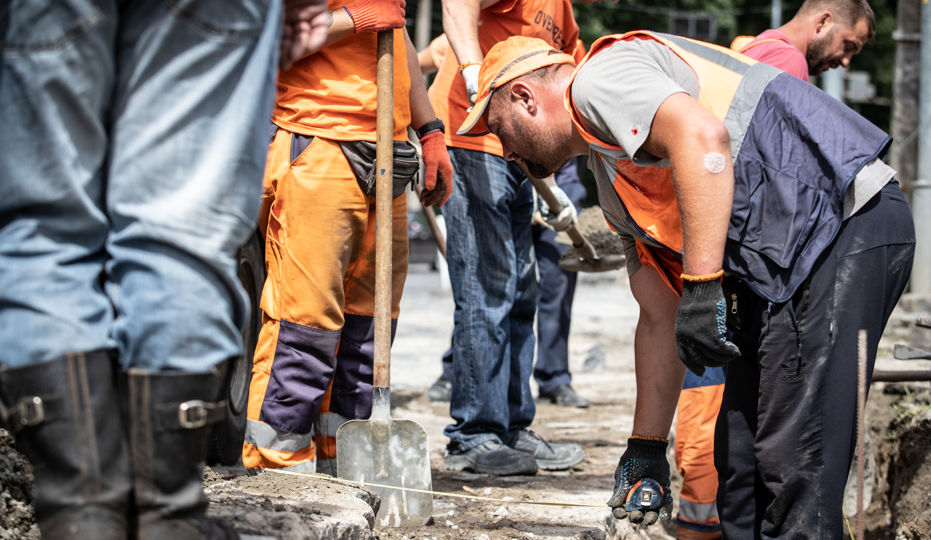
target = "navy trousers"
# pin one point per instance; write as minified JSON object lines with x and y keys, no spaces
{"x":785,"y":435}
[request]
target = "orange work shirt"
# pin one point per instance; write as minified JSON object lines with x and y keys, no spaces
{"x":332,"y":94}
{"x":549,"y":20}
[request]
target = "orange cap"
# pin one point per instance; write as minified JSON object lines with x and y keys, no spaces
{"x":506,"y":61}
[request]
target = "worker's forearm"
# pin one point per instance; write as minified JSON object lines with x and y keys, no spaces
{"x":341,"y":25}
{"x":659,"y":371}
{"x":659,"y":378}
{"x":460,"y":22}
{"x":705,"y":199}
{"x":421,"y":109}
{"x":698,"y":148}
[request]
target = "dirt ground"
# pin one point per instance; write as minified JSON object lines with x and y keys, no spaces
{"x":602,"y":335}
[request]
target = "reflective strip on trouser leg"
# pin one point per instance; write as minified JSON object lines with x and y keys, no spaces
{"x":325,"y":435}
{"x":697,"y":412}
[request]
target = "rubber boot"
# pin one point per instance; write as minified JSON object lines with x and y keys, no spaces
{"x":62,"y":415}
{"x":169,"y":416}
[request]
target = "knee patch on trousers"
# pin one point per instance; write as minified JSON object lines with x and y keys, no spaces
{"x":303,"y":366}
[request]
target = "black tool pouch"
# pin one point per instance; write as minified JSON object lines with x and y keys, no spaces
{"x":361,"y":157}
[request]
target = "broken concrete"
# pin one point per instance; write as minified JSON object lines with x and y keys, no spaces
{"x":17,"y":518}
{"x":291,"y":507}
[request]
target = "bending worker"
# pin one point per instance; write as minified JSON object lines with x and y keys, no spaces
{"x":313,"y":363}
{"x":717,"y":163}
{"x":824,"y":34}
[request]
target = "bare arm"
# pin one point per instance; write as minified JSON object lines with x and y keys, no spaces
{"x":659,"y":371}
{"x":460,"y":22}
{"x":421,"y":110}
{"x":698,"y":148}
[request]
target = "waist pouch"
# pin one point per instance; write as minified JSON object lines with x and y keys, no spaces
{"x":361,"y":157}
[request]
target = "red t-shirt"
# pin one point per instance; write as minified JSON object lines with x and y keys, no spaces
{"x":774,"y":48}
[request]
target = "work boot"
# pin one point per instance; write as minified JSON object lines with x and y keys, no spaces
{"x":549,"y":456}
{"x":169,"y":415}
{"x":492,"y":457}
{"x":564,"y":396}
{"x":62,"y":414}
{"x":441,"y":391}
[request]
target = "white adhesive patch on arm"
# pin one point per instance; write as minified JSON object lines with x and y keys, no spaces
{"x":715,"y":162}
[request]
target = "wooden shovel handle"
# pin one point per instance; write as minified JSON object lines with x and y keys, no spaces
{"x":384,"y":163}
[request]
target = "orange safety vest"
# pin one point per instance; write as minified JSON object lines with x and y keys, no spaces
{"x":789,"y":184}
{"x":647,"y":193}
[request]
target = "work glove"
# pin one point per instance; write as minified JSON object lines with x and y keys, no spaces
{"x":701,"y":334}
{"x":376,"y":15}
{"x":438,"y":170}
{"x":641,"y":482}
{"x":470,"y":75}
{"x":561,"y":221}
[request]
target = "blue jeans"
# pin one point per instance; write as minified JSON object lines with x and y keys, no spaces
{"x":557,"y":289}
{"x":493,"y":274}
{"x":133,"y":147}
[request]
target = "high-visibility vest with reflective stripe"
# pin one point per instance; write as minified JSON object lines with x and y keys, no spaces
{"x":795,"y":152}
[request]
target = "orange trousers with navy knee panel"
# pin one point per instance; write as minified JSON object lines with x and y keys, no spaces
{"x":697,"y":413}
{"x":312,"y":369}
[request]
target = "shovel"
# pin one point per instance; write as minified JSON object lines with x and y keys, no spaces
{"x":590,"y":261}
{"x":381,"y":450}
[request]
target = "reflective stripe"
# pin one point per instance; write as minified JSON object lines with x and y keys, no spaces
{"x":327,"y":423}
{"x":262,"y":435}
{"x":698,"y":49}
{"x":303,"y":467}
{"x":745,"y":101}
{"x":699,"y":513}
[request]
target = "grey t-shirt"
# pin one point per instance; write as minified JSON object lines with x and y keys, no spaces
{"x":618,"y":92}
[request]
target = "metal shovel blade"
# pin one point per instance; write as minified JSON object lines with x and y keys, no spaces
{"x":393,"y":453}
{"x":605,"y":263}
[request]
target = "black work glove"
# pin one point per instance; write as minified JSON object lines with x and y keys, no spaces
{"x":701,"y":334}
{"x":644,"y":459}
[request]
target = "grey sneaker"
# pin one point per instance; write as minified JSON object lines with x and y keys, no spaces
{"x":549,"y":456}
{"x":441,"y":391}
{"x":564,"y":396}
{"x":492,"y":457}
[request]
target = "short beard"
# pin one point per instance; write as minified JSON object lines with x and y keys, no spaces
{"x":814,"y":54}
{"x":545,"y":146}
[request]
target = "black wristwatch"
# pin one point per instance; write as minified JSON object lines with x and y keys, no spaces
{"x":431,"y":126}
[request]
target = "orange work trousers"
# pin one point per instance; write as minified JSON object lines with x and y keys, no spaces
{"x":699,"y":404}
{"x":312,"y":369}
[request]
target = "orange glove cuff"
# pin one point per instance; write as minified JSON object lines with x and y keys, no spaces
{"x":376,"y":15}
{"x":437,"y":164}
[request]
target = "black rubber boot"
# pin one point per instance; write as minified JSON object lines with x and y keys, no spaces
{"x":62,"y":415}
{"x":169,"y":416}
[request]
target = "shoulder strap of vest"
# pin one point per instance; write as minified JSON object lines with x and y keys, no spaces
{"x":599,"y":45}
{"x":744,"y":46}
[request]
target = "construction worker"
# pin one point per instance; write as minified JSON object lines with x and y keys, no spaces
{"x":314,"y":359}
{"x":130,"y":173}
{"x":492,"y":268}
{"x":556,"y":287}
{"x":718,"y":163}
{"x":825,"y":34}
